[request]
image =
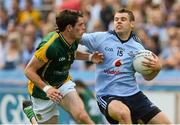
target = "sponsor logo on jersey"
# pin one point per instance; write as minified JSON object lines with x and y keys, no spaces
{"x":108,"y":49}
{"x":117,"y":63}
{"x":61,"y":59}
{"x":60,"y":73}
{"x":114,"y":72}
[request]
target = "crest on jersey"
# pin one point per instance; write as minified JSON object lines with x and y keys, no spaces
{"x":117,"y":63}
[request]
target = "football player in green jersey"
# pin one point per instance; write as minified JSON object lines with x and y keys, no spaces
{"x":90,"y":103}
{"x":49,"y":83}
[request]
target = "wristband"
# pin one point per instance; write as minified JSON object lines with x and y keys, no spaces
{"x":45,"y":89}
{"x":90,"y":57}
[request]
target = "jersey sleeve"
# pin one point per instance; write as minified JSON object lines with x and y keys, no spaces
{"x":42,"y":52}
{"x":139,"y":43}
{"x":91,"y":40}
{"x":140,"y":47}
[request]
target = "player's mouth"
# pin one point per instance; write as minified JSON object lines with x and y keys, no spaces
{"x":119,"y":26}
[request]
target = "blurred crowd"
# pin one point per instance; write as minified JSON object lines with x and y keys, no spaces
{"x":23,"y":23}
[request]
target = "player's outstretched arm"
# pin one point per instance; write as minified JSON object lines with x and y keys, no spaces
{"x":96,"y":57}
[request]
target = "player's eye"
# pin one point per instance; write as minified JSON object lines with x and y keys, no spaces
{"x":123,"y":19}
{"x":116,"y":19}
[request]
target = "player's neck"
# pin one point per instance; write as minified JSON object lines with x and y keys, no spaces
{"x":124,"y":36}
{"x":67,"y":38}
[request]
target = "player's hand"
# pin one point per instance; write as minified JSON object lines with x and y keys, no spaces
{"x":152,"y":63}
{"x":97,"y":57}
{"x":54,"y":95}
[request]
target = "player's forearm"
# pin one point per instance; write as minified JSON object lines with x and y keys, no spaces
{"x":82,"y":56}
{"x":34,"y":77}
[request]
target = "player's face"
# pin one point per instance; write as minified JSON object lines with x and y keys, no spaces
{"x":122,"y":23}
{"x":79,"y":28}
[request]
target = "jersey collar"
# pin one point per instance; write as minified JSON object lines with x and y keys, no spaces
{"x":122,"y":41}
{"x":61,"y":36}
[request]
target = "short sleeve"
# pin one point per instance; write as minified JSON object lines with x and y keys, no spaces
{"x":92,"y":40}
{"x":88,"y":40}
{"x":41,"y":54}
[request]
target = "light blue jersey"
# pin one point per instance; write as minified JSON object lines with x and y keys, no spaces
{"x":116,"y":75}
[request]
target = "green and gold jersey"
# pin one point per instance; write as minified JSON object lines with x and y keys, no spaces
{"x":58,"y":56}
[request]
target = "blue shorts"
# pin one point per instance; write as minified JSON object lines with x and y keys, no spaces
{"x":141,"y":108}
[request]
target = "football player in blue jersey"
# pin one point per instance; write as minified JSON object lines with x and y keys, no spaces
{"x":118,"y":95}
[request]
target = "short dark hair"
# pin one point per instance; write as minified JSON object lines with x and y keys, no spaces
{"x":67,"y":17}
{"x":129,"y":12}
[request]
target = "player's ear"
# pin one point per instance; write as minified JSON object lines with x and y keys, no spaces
{"x":132,"y":24}
{"x":69,"y":27}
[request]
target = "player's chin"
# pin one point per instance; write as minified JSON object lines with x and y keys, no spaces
{"x":119,"y":30}
{"x":80,"y":35}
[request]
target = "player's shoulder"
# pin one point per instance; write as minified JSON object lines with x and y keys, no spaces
{"x":96,"y":34}
{"x":48,"y":38}
{"x":135,"y":39}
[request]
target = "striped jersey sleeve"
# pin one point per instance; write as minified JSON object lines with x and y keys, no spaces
{"x":41,"y":52}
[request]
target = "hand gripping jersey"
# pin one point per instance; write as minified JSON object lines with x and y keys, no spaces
{"x":58,"y":56}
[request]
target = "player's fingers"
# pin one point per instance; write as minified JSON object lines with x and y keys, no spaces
{"x":58,"y":95}
{"x":52,"y":98}
{"x":149,"y":59}
{"x":149,"y":62}
{"x":54,"y":94}
{"x":100,"y":54}
{"x":58,"y":100}
{"x":149,"y":66}
{"x":146,"y":64}
{"x":152,"y":60}
{"x":101,"y":61}
{"x":96,"y":52}
{"x":102,"y":57}
{"x":55,"y":98}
